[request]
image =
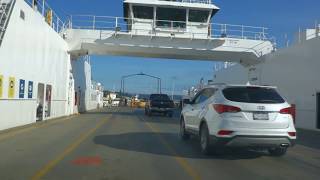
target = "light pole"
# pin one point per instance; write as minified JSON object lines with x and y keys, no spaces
{"x":122,"y":90}
{"x":173,"y":86}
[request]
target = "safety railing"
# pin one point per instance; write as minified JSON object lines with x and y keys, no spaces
{"x":47,"y":12}
{"x":155,"y":27}
{"x":239,"y":31}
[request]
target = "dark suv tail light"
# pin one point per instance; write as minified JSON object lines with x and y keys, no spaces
{"x":220,"y":108}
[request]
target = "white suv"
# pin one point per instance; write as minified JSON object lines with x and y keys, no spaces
{"x":239,"y":116}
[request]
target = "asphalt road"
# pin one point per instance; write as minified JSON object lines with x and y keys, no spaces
{"x":123,"y":144}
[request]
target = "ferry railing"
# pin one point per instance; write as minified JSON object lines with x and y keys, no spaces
{"x":239,"y":31}
{"x":154,"y":27}
{"x":48,"y":13}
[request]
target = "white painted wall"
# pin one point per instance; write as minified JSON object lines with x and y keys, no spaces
{"x":235,"y":74}
{"x":90,"y":97}
{"x":33,"y":51}
{"x":294,"y":70}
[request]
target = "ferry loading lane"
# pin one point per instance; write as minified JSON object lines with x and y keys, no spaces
{"x":123,"y":143}
{"x":66,"y":113}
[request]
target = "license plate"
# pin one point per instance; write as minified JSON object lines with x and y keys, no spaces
{"x":261,"y":116}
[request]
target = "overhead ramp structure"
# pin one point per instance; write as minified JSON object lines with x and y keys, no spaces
{"x":174,"y":29}
{"x":100,"y":35}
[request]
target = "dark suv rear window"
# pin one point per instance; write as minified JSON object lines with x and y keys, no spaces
{"x":253,"y":95}
{"x":159,"y":97}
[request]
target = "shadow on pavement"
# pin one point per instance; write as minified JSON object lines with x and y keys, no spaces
{"x":126,"y":113}
{"x":148,"y":142}
{"x":159,"y":119}
{"x":308,"y":138}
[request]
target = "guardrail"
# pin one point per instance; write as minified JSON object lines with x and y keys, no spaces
{"x":47,"y":12}
{"x":129,"y":25}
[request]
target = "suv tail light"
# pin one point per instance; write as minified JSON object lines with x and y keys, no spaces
{"x":220,"y":108}
{"x":224,"y":132}
{"x":292,"y":134}
{"x":290,"y":110}
{"x":286,"y":110}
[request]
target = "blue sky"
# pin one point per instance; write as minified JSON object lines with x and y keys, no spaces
{"x":281,"y":16}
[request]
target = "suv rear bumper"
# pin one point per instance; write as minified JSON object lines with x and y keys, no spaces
{"x":157,"y":109}
{"x":253,"y":141}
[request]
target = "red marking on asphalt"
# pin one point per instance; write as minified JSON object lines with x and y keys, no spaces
{"x":87,"y":161}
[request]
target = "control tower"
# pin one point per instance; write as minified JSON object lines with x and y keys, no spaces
{"x":184,"y":18}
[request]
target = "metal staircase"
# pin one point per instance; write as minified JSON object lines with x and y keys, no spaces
{"x":6,"y":7}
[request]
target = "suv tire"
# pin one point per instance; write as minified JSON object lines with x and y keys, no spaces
{"x":183,"y":133}
{"x":149,"y":113}
{"x":205,"y":140}
{"x":277,"y":152}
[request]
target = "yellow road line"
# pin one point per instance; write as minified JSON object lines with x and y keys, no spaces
{"x":182,"y":162}
{"x":51,"y":164}
{"x":34,"y":126}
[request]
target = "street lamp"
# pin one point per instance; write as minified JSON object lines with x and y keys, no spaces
{"x":173,"y":86}
{"x":122,"y":91}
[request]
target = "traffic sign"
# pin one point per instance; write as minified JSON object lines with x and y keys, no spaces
{"x":30,"y":89}
{"x":22,"y":88}
{"x":12,"y":84}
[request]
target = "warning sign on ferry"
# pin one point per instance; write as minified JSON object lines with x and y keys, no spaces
{"x":12,"y":84}
{"x":22,"y":86}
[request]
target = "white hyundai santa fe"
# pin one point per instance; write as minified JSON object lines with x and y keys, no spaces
{"x":239,"y":116}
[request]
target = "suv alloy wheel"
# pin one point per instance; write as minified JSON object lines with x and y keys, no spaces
{"x":205,"y":139}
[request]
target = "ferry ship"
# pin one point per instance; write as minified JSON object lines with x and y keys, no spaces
{"x":45,"y":69}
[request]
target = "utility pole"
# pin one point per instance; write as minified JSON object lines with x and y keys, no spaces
{"x":173,"y":86}
{"x":173,"y":89}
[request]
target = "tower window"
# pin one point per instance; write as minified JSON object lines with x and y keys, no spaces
{"x":143,"y":12}
{"x":198,"y":16}
{"x":171,"y":17}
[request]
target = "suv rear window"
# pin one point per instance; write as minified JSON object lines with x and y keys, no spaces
{"x":159,"y":97}
{"x":253,"y":95}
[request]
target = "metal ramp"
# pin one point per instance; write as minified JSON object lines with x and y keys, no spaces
{"x":6,"y":7}
{"x":103,"y":35}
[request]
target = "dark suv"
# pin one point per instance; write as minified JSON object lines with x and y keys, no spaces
{"x":159,"y":103}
